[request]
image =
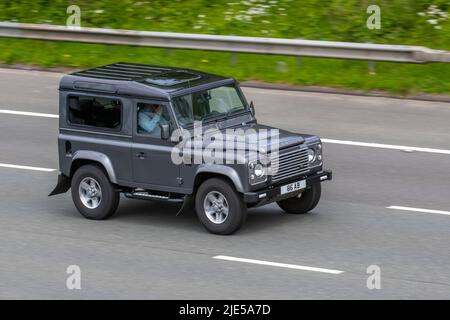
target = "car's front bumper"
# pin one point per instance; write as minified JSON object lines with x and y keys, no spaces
{"x":272,"y":194}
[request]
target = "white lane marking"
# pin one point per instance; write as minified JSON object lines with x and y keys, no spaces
{"x":277,"y":264}
{"x":418,"y":210}
{"x":386,"y":146}
{"x":332,"y":141}
{"x":26,"y":113}
{"x":14,"y":166}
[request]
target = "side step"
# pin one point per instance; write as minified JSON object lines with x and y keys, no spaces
{"x":149,"y":195}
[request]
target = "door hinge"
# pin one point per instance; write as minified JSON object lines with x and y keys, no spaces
{"x":180,"y":180}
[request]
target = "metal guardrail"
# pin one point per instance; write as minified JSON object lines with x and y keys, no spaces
{"x":275,"y":46}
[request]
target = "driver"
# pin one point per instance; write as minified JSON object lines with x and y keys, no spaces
{"x":149,"y":118}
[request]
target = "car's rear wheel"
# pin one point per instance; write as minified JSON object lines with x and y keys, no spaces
{"x":219,"y":207}
{"x":304,"y":202}
{"x":93,"y":194}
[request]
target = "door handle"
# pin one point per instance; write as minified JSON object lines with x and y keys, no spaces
{"x":141,"y":155}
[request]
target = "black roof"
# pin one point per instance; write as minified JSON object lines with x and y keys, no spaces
{"x":140,"y":80}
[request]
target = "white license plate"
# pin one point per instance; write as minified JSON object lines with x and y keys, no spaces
{"x":294,"y":186}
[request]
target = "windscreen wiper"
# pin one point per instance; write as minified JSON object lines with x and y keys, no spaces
{"x":211,"y":116}
{"x":234,"y":110}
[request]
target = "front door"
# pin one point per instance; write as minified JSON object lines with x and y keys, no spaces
{"x":152,"y":164}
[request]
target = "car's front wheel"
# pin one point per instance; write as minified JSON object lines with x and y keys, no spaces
{"x":304,"y":202}
{"x":219,"y":207}
{"x":92,"y":193}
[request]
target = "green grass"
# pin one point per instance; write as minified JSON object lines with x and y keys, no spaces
{"x":310,"y":19}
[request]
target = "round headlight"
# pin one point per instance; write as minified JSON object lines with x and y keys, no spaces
{"x":311,"y":155}
{"x":259,"y":170}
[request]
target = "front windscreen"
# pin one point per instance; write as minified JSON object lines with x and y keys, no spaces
{"x":208,"y":104}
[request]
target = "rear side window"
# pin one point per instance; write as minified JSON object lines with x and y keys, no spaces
{"x":95,"y":112}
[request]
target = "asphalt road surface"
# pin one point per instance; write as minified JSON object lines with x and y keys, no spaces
{"x":386,"y":154}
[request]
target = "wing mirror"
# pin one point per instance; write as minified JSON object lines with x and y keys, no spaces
{"x":165,"y":131}
{"x":252,"y":109}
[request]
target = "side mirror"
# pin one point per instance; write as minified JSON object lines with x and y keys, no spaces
{"x":252,"y":109}
{"x":165,"y":131}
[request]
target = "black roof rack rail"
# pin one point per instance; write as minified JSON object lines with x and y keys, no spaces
{"x":140,"y":79}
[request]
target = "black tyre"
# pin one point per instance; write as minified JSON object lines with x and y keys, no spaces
{"x":219,"y":207}
{"x":92,"y":193}
{"x":307,"y":201}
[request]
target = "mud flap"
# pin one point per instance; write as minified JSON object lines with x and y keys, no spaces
{"x":188,"y":204}
{"x":62,"y":186}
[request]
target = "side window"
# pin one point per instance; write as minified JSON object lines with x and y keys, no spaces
{"x":149,"y":118}
{"x":95,"y":112}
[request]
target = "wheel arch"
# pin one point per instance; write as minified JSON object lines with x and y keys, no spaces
{"x":218,"y":171}
{"x":83,"y":157}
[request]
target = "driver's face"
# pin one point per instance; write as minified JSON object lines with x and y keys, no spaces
{"x":150,"y":108}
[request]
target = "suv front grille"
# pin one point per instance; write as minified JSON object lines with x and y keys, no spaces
{"x":290,"y":162}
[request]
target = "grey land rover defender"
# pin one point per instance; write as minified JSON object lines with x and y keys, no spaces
{"x":117,"y":126}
